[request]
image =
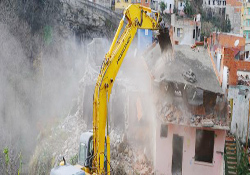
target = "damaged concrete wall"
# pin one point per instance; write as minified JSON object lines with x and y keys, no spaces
{"x":240,"y":97}
{"x":164,"y":151}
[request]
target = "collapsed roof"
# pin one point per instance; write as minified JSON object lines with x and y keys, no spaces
{"x":192,"y":95}
{"x":186,"y":61}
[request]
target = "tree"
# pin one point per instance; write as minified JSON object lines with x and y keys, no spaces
{"x":206,"y":29}
{"x":242,"y":167}
{"x":228,"y":26}
{"x":162,"y":6}
{"x":188,"y":9}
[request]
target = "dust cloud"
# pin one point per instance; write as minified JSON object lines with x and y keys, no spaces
{"x":136,"y":102}
{"x":36,"y":94}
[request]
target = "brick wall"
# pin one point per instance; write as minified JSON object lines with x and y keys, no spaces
{"x":234,"y":65}
{"x":227,"y":40}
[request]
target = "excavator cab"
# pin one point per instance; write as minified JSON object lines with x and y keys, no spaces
{"x":86,"y":151}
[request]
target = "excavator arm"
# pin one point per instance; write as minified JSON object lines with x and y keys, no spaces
{"x":138,"y":17}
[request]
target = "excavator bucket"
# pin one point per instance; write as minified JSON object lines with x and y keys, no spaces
{"x":166,"y":55}
{"x":165,"y":44}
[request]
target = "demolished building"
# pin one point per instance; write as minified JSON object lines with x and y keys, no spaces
{"x":192,"y":117}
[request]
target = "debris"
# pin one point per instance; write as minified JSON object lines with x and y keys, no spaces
{"x":192,"y":115}
{"x":207,"y":123}
{"x":189,"y":76}
{"x":127,"y":158}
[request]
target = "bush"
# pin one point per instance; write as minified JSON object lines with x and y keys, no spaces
{"x":162,"y":6}
{"x":242,"y":168}
{"x":188,"y":9}
{"x":11,"y":161}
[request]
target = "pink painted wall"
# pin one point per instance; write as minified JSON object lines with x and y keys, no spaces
{"x":163,"y":159}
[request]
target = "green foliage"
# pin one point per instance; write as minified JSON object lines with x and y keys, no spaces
{"x":228,"y":26}
{"x":12,"y":162}
{"x":242,"y":168}
{"x":188,"y":9}
{"x":213,"y":22}
{"x":162,"y":6}
{"x":6,"y":153}
{"x":206,"y":29}
{"x":74,"y":159}
{"x":218,"y":21}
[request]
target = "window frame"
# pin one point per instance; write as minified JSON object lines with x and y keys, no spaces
{"x":178,"y":34}
{"x":212,"y":148}
{"x":84,"y":146}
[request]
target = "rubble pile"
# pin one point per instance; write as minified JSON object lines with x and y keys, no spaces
{"x":60,"y":141}
{"x":128,"y":158}
{"x":171,"y":113}
{"x":73,"y":126}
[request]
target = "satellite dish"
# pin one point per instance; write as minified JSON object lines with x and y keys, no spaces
{"x":236,"y":43}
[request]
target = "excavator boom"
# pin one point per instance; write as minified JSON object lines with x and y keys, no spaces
{"x":138,"y":17}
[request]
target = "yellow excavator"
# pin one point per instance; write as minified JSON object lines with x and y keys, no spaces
{"x":94,"y":151}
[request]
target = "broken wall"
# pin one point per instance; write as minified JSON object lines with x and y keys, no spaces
{"x":234,"y":65}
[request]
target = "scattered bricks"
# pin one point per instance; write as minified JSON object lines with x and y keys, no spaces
{"x":126,"y":158}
